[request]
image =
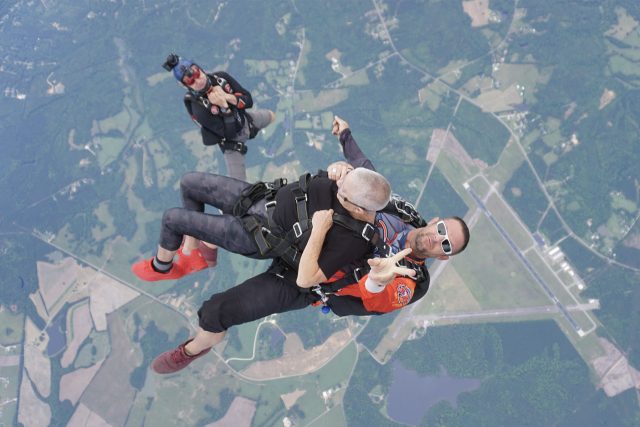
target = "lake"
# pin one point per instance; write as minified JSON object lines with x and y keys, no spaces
{"x":411,"y":395}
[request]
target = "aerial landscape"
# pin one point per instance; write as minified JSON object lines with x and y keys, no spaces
{"x":521,"y":116}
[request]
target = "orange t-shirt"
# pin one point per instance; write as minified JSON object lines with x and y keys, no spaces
{"x":395,"y":295}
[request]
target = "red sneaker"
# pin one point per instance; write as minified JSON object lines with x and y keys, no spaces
{"x":174,"y":360}
{"x":145,"y":271}
{"x":192,"y":262}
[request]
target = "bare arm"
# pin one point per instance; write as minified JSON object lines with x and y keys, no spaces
{"x":309,"y":272}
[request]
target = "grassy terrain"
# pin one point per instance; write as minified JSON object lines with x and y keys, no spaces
{"x":333,"y":417}
{"x":509,"y":221}
{"x":12,"y":330}
{"x":483,"y":136}
{"x":507,"y":283}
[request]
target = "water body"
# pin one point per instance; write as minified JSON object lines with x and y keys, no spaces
{"x":411,"y":395}
{"x":57,"y":334}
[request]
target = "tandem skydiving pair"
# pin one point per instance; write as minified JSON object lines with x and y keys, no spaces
{"x":338,"y":239}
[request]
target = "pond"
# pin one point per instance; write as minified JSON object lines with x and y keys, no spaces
{"x":57,"y":334}
{"x":411,"y":395}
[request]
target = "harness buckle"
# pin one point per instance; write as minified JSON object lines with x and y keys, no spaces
{"x":368,"y":232}
{"x":266,"y":230}
{"x":318,"y":291}
{"x":357,"y":274}
{"x":301,"y":198}
{"x":297,"y":230}
{"x":270,"y":204}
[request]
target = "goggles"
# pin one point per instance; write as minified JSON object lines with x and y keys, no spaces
{"x":191,"y":75}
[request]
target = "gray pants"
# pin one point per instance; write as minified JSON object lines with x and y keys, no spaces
{"x":223,"y":230}
{"x":235,"y":161}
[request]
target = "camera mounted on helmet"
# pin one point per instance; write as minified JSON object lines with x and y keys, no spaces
{"x":171,"y":62}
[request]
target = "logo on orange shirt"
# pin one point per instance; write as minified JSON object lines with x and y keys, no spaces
{"x":404,"y":294}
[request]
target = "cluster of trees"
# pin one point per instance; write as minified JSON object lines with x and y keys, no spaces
{"x":531,"y":375}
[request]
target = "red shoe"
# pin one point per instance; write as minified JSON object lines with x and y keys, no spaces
{"x":192,"y":262}
{"x":145,"y":271}
{"x":174,"y":360}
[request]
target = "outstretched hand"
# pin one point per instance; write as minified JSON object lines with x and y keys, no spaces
{"x":338,"y":126}
{"x":384,"y":270}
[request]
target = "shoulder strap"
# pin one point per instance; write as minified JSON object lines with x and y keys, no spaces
{"x":301,"y":199}
{"x":270,"y":240}
{"x":362,"y":229}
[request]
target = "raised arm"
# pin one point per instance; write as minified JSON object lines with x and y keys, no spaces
{"x":350,"y":148}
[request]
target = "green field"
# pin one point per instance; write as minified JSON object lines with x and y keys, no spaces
{"x":332,"y":418}
{"x":12,"y":329}
{"x":510,"y":160}
{"x":481,"y":134}
{"x":246,"y":336}
{"x":493,"y":273}
{"x":510,"y":222}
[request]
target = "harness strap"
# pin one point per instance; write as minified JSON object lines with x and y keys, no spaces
{"x":271,"y":240}
{"x":254,"y":227}
{"x":238,"y":146}
{"x":258,"y":191}
{"x":364,"y":230}
{"x":351,"y":277}
{"x":300,"y":196}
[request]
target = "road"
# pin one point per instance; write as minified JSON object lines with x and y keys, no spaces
{"x":508,"y":312}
